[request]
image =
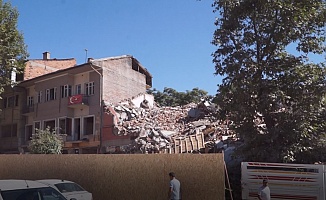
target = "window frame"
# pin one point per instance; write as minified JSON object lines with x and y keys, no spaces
{"x":39,"y":97}
{"x":65,"y":91}
{"x":51,"y":128}
{"x":89,"y":88}
{"x":67,"y":125}
{"x":78,"y":89}
{"x":26,"y":131}
{"x":34,"y":126}
{"x":51,"y":94}
{"x":10,"y":101}
{"x":84,"y":125}
{"x":30,"y":101}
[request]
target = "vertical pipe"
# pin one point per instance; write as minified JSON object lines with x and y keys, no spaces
{"x":101,"y":103}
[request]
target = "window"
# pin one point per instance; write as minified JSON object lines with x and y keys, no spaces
{"x":30,"y":101}
{"x":37,"y":125}
{"x":39,"y":97}
{"x":50,"y":123}
{"x":16,"y":100}
{"x":65,"y":125}
{"x":47,"y":193}
{"x":20,"y":76}
{"x":89,"y":88}
{"x":65,"y":91}
{"x":5,"y":101}
{"x":78,"y":89}
{"x":51,"y":94}
{"x":77,"y":128}
{"x":88,"y":125}
{"x":68,"y":187}
{"x":9,"y":102}
{"x":9,"y":130}
{"x":29,"y":132}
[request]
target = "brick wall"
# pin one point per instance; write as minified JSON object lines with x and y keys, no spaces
{"x":120,"y":81}
{"x":35,"y":68}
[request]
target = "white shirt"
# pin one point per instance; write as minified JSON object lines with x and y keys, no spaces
{"x":264,"y":193}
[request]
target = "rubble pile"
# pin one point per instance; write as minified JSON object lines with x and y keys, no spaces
{"x":158,"y":128}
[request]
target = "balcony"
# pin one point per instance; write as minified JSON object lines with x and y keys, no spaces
{"x":78,"y":101}
{"x":28,"y":110}
{"x":86,"y":141}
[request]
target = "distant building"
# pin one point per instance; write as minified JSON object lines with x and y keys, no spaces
{"x":68,"y":98}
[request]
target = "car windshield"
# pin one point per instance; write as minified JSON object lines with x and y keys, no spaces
{"x":68,"y":187}
{"x":46,"y":193}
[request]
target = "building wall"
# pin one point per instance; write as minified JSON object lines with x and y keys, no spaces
{"x":53,"y":108}
{"x":109,"y":139}
{"x":38,"y":67}
{"x":59,"y":106}
{"x":12,"y":116}
{"x":120,"y":81}
{"x":59,"y":109}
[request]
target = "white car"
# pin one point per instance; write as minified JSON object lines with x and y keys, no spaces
{"x":28,"y":190}
{"x":69,"y":189}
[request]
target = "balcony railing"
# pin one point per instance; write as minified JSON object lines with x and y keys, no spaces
{"x":78,"y":99}
{"x":28,"y":109}
{"x":86,"y":138}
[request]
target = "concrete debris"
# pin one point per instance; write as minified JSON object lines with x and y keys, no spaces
{"x":180,"y":129}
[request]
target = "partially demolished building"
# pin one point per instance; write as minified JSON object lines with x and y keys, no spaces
{"x":153,"y":129}
{"x":68,"y":98}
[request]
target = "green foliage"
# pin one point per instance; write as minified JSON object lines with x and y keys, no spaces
{"x":46,"y":142}
{"x":262,"y":78}
{"x":13,"y":51}
{"x":170,"y":97}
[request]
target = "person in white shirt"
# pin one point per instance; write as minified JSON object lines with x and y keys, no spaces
{"x":264,"y":193}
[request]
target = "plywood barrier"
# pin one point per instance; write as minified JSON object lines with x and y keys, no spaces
{"x":124,"y":176}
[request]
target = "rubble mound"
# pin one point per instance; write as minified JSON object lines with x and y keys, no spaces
{"x":157,"y":129}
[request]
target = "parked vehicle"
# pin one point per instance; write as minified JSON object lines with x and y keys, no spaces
{"x":68,"y":189}
{"x":27,"y":190}
{"x":286,"y":181}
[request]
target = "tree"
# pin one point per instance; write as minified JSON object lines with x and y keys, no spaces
{"x":46,"y":142}
{"x":263,"y":80}
{"x":13,"y":51}
{"x":171,"y":97}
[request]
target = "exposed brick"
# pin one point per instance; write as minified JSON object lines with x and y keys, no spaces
{"x":38,"y":67}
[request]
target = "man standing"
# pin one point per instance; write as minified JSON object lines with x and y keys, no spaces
{"x":264,"y":192}
{"x":175,"y":189}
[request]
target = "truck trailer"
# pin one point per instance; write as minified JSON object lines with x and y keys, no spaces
{"x":286,"y":181}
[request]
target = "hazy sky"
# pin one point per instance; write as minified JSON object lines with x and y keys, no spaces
{"x":171,"y":38}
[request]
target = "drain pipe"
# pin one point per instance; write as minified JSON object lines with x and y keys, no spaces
{"x":101,"y":104}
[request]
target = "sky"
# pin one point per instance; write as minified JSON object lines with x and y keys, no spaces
{"x":170,"y":38}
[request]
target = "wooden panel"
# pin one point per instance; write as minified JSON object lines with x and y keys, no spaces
{"x":189,"y":143}
{"x":124,"y":176}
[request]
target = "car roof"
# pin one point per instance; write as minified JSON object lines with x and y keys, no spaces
{"x":54,"y":181}
{"x":14,"y":184}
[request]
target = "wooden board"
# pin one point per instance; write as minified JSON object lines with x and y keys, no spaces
{"x":124,"y":176}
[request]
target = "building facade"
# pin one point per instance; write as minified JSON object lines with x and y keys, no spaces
{"x":69,"y":100}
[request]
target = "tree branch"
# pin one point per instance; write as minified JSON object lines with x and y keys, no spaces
{"x":256,"y":35}
{"x":270,"y":37}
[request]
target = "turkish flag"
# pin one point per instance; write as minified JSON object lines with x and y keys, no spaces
{"x":76,"y":99}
